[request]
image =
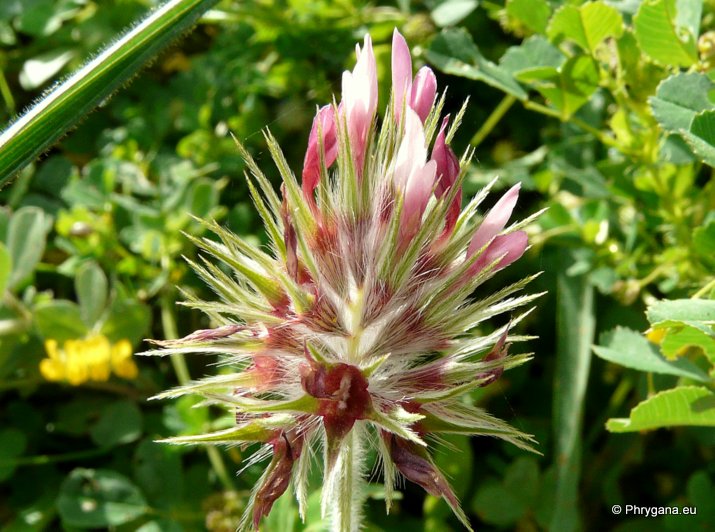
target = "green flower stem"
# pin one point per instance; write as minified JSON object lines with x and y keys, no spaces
{"x":168,"y":323}
{"x":704,"y":290}
{"x":178,"y":361}
{"x":67,"y":104}
{"x":652,"y":276}
{"x":14,"y":304}
{"x":116,"y":388}
{"x":493,"y":119}
{"x":43,"y":459}
{"x":20,"y":383}
{"x":600,"y":135}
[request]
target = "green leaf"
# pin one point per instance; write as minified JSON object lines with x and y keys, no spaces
{"x":630,"y":349}
{"x":314,"y":520}
{"x":576,"y":324}
{"x":506,"y":503}
{"x":67,"y":104}
{"x":157,"y":470}
{"x":679,"y":339}
{"x":35,"y":516}
{"x":38,"y":19}
{"x":5,"y":267}
{"x":701,"y":136}
{"x":26,"y":237}
{"x":283,"y":516}
{"x":202,"y":198}
{"x":666,"y":31}
{"x":704,"y":242}
{"x":457,"y":466}
{"x":685,"y":405}
{"x":689,"y":13}
{"x":91,"y":288}
{"x":533,"y":14}
{"x":701,"y":494}
{"x":12,"y":445}
{"x":97,"y":498}
{"x":587,"y":25}
{"x":119,"y":423}
{"x":522,"y":479}
{"x":530,"y":58}
{"x":496,"y":505}
{"x":127,"y":319}
{"x":698,"y":313}
{"x":454,"y":52}
{"x":679,"y":98}
{"x":73,"y":417}
{"x":571,"y":86}
{"x":451,"y":12}
{"x":181,"y":417}
{"x":59,"y":320}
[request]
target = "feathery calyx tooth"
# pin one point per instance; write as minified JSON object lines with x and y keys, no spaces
{"x":358,"y":330}
{"x":287,"y":447}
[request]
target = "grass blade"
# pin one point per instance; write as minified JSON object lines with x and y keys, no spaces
{"x":64,"y":106}
{"x":576,"y":325}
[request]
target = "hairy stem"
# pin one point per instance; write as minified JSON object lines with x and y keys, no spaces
{"x":347,"y":496}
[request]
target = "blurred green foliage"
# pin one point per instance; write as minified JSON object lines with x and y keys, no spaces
{"x":602,"y":109}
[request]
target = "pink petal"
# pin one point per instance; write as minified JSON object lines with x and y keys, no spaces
{"x":424,"y":91}
{"x":495,"y":221}
{"x":417,"y":193}
{"x":412,"y":152}
{"x":447,"y":172}
{"x":360,"y":100}
{"x":324,"y":122}
{"x":401,"y":71}
{"x":509,"y":247}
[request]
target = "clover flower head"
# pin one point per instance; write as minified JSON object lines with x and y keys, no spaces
{"x":357,"y":329}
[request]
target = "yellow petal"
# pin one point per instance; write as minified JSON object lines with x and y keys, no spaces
{"x":99,"y":371}
{"x":76,"y":370}
{"x":52,"y":370}
{"x":51,"y":348}
{"x":122,"y":350}
{"x":126,"y":369}
{"x":655,"y":335}
{"x":72,"y":348}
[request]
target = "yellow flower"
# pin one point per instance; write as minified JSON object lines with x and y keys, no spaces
{"x":655,"y":335}
{"x":122,"y":362}
{"x":88,"y":359}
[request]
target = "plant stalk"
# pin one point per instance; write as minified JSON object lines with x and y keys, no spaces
{"x":600,"y":135}
{"x":704,"y":290}
{"x":492,"y":120}
{"x":178,"y":361}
